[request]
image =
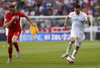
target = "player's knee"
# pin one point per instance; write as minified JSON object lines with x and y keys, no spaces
{"x":72,"y":41}
{"x":14,"y":41}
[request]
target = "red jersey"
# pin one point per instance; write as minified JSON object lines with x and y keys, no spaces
{"x":16,"y":23}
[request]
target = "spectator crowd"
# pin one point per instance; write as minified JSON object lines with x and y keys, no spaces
{"x":50,"y":7}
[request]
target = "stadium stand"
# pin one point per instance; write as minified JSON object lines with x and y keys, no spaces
{"x":50,"y":7}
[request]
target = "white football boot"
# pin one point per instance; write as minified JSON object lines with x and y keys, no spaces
{"x":9,"y":60}
{"x":18,"y":54}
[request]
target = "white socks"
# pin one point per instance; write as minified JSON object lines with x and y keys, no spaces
{"x":74,"y":52}
{"x":69,"y":47}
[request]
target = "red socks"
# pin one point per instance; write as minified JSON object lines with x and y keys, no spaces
{"x":10,"y":52}
{"x":10,"y":49}
{"x":16,"y":46}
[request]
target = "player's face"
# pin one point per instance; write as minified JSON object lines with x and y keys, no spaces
{"x":77,"y":11}
{"x":13,"y":10}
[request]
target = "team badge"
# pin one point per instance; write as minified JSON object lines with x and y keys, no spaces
{"x":17,"y":17}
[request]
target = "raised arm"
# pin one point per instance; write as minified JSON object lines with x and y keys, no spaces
{"x":66,"y":22}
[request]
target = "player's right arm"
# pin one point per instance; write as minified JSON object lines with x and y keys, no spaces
{"x":32,"y":22}
{"x":8,"y":22}
{"x":66,"y":22}
{"x":68,"y":17}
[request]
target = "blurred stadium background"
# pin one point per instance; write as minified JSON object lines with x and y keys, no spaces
{"x":50,"y":17}
{"x":51,"y":29}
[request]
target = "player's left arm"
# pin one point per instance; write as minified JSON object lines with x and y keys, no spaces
{"x":88,"y":21}
{"x":32,"y":22}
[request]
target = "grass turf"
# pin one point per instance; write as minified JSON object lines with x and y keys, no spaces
{"x":48,"y":55}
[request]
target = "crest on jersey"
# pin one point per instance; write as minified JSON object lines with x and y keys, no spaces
{"x":17,"y":17}
{"x":5,"y":19}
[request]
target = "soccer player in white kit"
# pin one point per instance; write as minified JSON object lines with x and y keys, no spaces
{"x":78,"y":18}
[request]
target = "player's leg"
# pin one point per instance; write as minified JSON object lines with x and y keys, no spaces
{"x":70,"y":44}
{"x":14,"y":41}
{"x":9,"y":37}
{"x":69,"y":47}
{"x":77,"y":46}
{"x":17,"y":49}
{"x":75,"y":50}
{"x":34,"y":36}
{"x":32,"y":32}
{"x":9,"y":52}
{"x":16,"y":46}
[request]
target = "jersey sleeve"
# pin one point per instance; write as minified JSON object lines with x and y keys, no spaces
{"x":70,"y":15}
{"x":85,"y":16}
{"x":21,"y":14}
{"x":7,"y":18}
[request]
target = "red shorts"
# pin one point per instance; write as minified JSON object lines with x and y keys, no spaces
{"x":11,"y":33}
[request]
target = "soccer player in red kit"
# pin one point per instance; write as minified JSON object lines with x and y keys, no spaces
{"x":12,"y":22}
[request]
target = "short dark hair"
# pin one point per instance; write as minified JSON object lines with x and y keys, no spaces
{"x":77,"y":6}
{"x":12,"y":6}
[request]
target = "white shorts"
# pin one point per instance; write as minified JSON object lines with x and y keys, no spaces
{"x":78,"y":38}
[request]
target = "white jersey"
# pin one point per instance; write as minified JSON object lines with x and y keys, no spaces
{"x":78,"y":21}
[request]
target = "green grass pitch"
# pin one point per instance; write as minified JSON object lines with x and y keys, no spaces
{"x":48,"y":55}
